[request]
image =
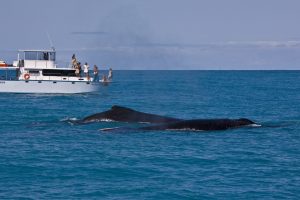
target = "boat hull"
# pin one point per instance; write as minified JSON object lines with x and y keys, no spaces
{"x":48,"y":87}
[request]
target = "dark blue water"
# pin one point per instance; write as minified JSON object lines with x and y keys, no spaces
{"x":43,"y":157}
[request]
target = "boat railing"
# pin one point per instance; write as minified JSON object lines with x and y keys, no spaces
{"x":49,"y":78}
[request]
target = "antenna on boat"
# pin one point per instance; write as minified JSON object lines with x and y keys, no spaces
{"x":50,"y":41}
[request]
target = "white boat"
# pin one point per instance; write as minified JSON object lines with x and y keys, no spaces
{"x":37,"y":72}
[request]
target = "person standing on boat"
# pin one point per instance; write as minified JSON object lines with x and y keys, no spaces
{"x":77,"y":71}
{"x":74,"y":61}
{"x":79,"y":68}
{"x":86,"y":69}
{"x":104,"y":78}
{"x":46,"y":55}
{"x":96,"y":74}
{"x":110,"y":74}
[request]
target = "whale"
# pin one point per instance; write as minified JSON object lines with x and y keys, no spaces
{"x":123,"y":114}
{"x":158,"y":122}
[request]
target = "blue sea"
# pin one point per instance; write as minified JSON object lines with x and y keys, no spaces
{"x":44,"y":157}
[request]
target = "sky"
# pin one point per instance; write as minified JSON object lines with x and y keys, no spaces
{"x":157,"y":34}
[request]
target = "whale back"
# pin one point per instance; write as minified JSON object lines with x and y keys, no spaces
{"x":123,"y":114}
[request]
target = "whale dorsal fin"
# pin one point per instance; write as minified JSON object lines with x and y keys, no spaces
{"x":245,"y":120}
{"x":120,"y":108}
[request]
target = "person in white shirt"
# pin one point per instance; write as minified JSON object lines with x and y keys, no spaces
{"x":86,"y":69}
{"x":110,"y":74}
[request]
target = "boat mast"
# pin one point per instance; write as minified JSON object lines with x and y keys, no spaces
{"x":50,"y":41}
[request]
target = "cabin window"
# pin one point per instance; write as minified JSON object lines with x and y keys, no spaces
{"x":34,"y":72}
{"x":42,"y":56}
{"x":39,"y":55}
{"x":30,"y":55}
{"x":52,"y":56}
{"x":58,"y":72}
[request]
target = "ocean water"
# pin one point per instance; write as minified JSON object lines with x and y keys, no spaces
{"x":44,"y":157}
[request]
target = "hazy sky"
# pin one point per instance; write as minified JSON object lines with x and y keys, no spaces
{"x":158,"y":34}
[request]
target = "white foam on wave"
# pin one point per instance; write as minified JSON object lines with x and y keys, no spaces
{"x":69,"y":119}
{"x":106,"y":120}
{"x":101,"y":120}
{"x":108,"y":129}
{"x":255,"y":125}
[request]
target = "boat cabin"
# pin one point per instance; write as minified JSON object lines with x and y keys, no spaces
{"x":40,"y":65}
{"x":41,"y":59}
